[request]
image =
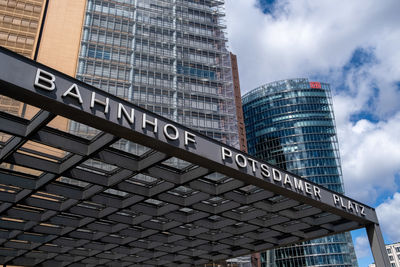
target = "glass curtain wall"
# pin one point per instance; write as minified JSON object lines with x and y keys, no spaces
{"x":291,"y":124}
{"x":168,"y":56}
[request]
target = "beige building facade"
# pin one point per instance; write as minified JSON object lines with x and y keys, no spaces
{"x":48,"y":32}
{"x":19,"y":31}
{"x":20,"y":25}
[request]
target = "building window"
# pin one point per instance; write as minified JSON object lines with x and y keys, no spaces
{"x":98,"y":53}
{"x":389,"y":251}
{"x":398,"y":249}
{"x":391,"y":258}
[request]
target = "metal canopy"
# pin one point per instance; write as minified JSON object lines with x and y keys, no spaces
{"x":133,"y":196}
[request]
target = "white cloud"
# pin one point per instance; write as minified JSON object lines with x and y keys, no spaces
{"x":304,"y":38}
{"x":370,"y":157}
{"x":362,"y":247}
{"x":388,"y":215}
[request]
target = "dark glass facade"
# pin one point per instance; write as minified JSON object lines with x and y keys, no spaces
{"x":291,"y":124}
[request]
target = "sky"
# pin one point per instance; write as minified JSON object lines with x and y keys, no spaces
{"x":355,"y":46}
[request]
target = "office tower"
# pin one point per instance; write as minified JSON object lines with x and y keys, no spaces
{"x":20,"y":24}
{"x":290,"y":123}
{"x":19,"y":30}
{"x":169,"y":57}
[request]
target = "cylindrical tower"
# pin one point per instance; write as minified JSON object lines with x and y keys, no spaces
{"x":291,"y":124}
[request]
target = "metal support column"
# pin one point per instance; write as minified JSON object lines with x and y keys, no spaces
{"x":377,"y":245}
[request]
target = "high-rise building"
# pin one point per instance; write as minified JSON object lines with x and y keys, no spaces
{"x":20,"y":25}
{"x":169,"y":57}
{"x":291,"y":124}
{"x":19,"y":30}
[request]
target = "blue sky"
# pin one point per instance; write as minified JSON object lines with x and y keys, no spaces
{"x":355,"y":46}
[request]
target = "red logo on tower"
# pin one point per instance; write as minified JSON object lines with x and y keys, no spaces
{"x":315,"y":85}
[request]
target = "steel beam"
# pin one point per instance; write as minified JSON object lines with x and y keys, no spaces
{"x":377,"y":245}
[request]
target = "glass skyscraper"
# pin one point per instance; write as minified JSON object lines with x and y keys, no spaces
{"x":291,"y":124}
{"x":168,"y":56}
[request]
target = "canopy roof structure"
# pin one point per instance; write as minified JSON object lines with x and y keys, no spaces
{"x":143,"y":190}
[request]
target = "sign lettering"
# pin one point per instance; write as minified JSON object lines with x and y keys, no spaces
{"x":315,"y":85}
{"x":113,"y":109}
